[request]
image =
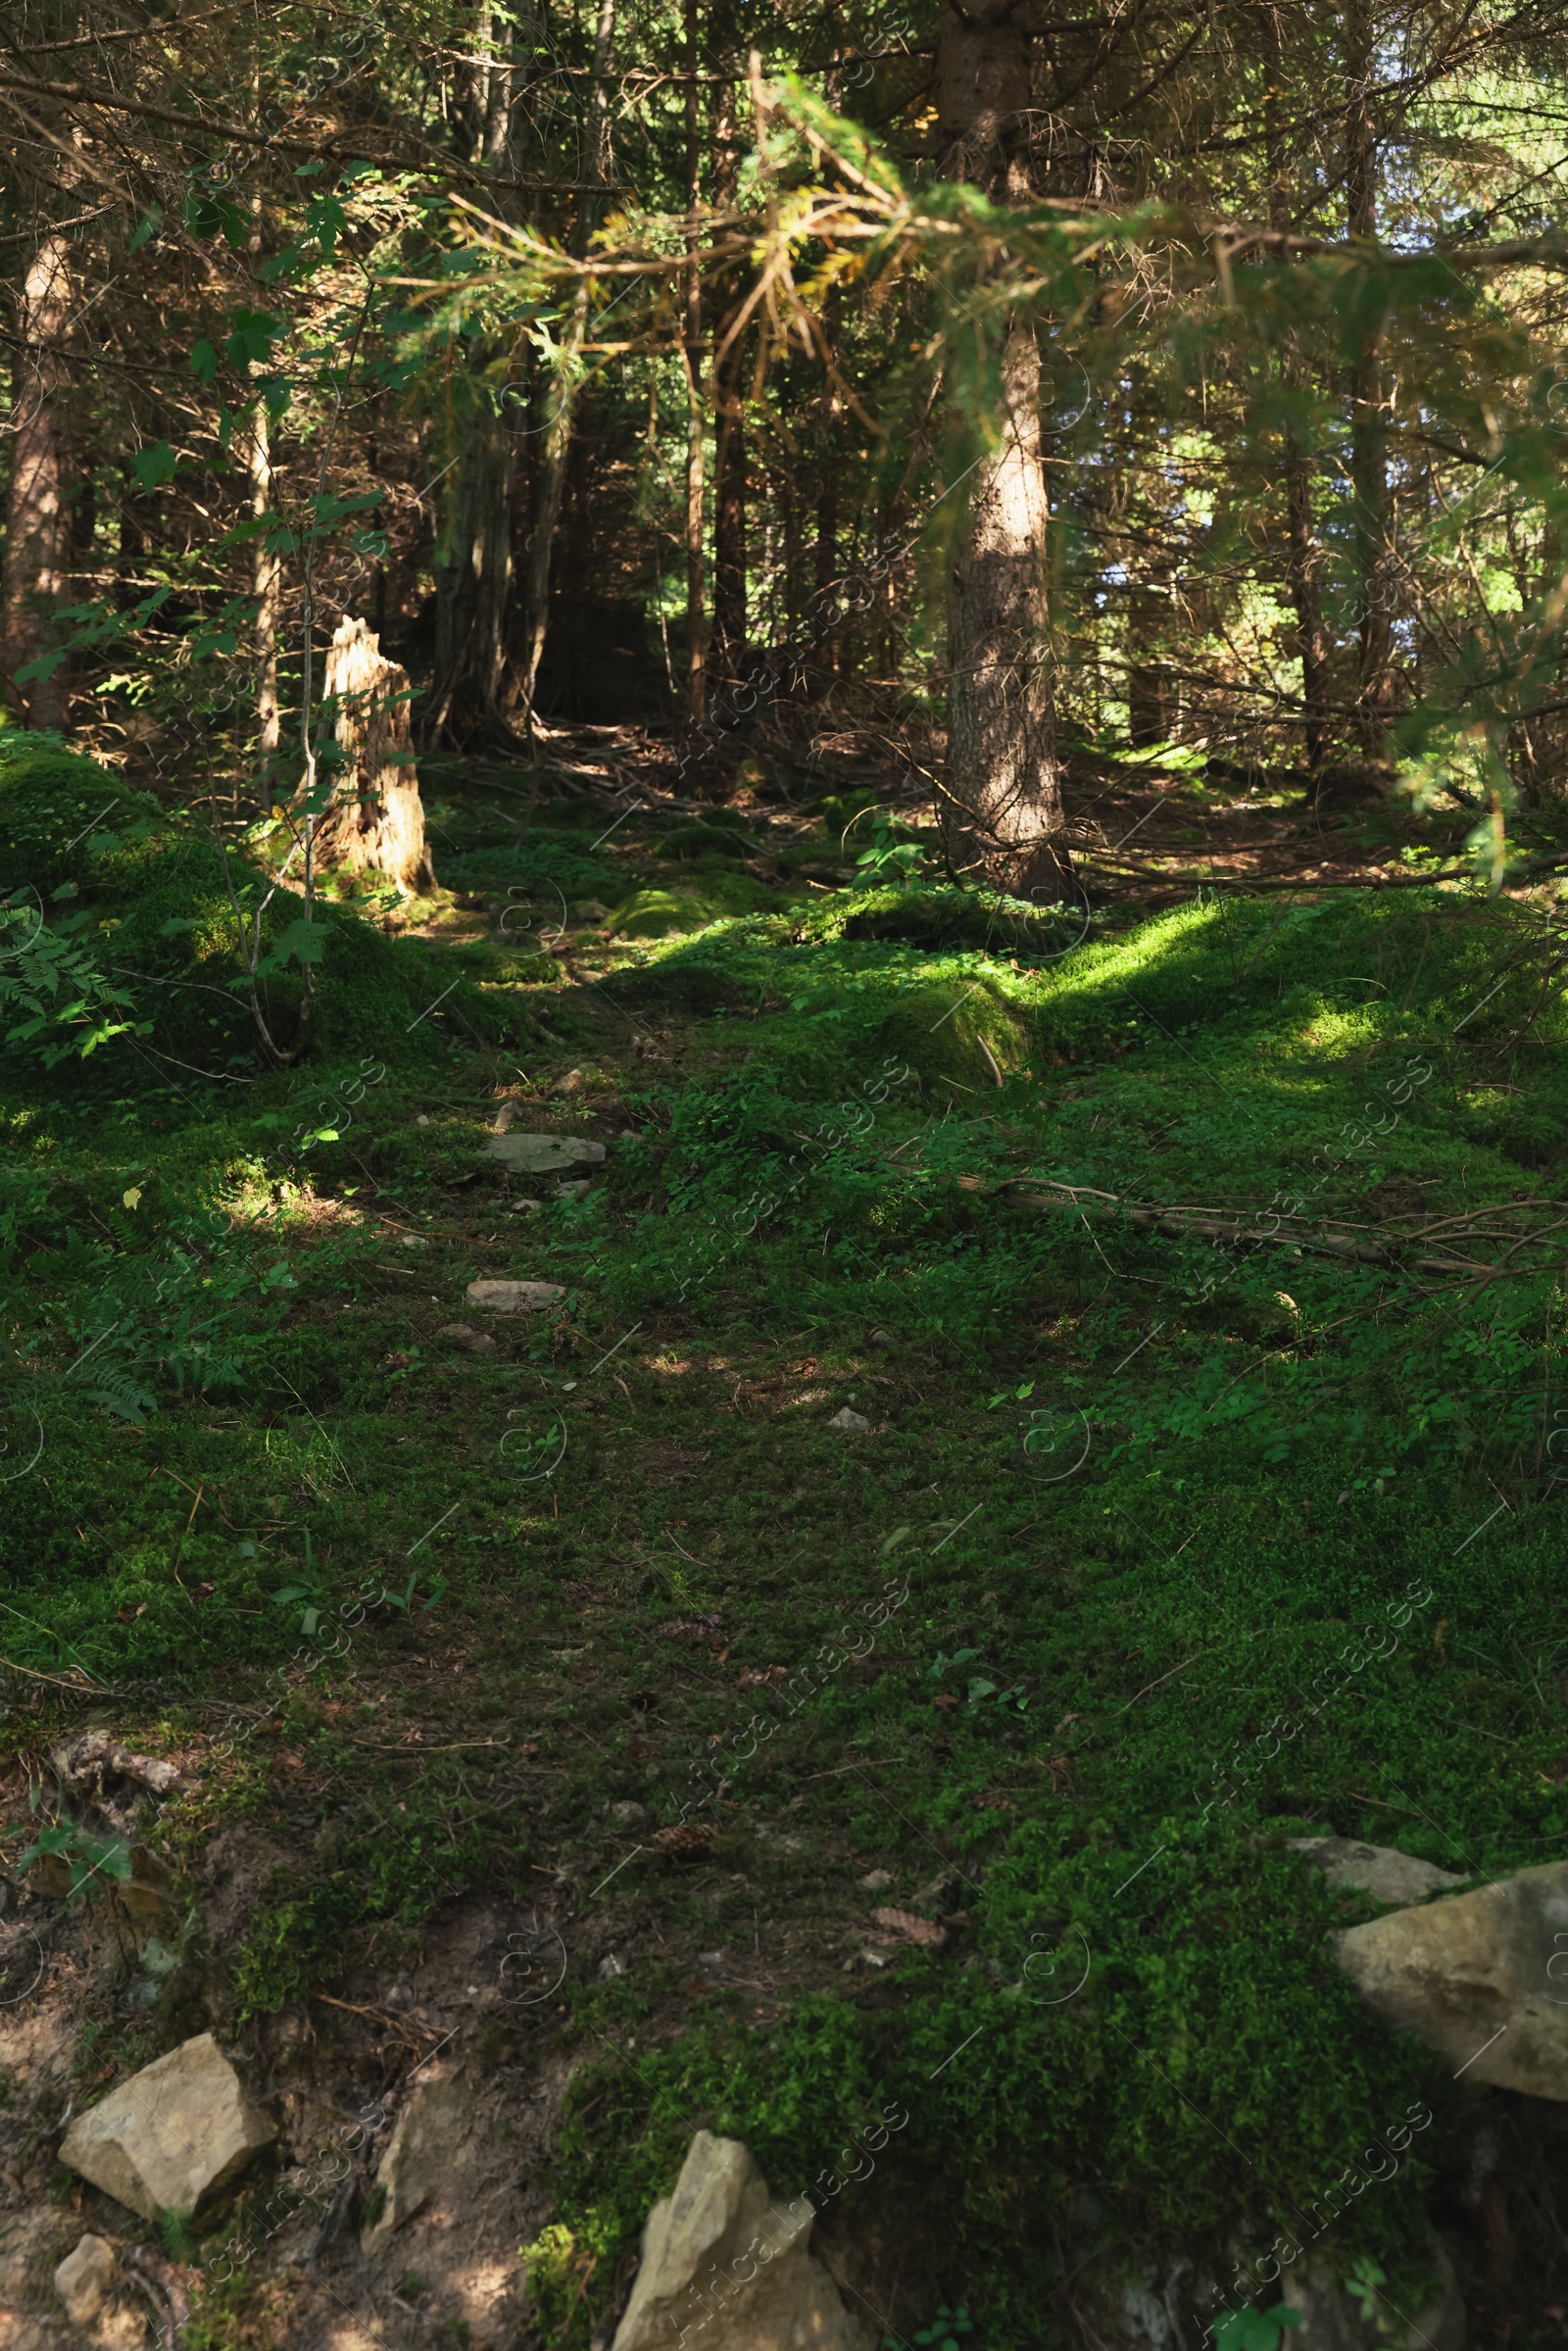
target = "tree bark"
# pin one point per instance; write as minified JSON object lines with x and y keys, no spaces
{"x":375,"y":822}
{"x":558,"y":437}
{"x":37,"y":524}
{"x":1001,"y":815}
{"x":692,"y":346}
{"x":729,"y":516}
{"x":1369,"y":397}
{"x":473,"y":570}
{"x":1304,"y":558}
{"x":266,"y":574}
{"x":729,"y":409}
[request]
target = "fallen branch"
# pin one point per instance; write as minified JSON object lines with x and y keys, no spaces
{"x":1319,"y":1238}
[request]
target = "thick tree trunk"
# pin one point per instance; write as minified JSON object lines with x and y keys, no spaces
{"x":1369,"y":395}
{"x":563,"y":393}
{"x":473,"y":574}
{"x":1002,"y":815}
{"x":375,"y":822}
{"x":37,"y":524}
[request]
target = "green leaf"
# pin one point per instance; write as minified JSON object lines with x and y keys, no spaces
{"x":252,"y":337}
{"x":155,"y":465}
{"x":204,"y":362}
{"x":147,"y":227}
{"x":304,"y":942}
{"x":209,"y":215}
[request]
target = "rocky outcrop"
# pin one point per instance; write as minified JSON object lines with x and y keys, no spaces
{"x":1380,"y":1870}
{"x":167,"y":2137}
{"x":1482,"y":1977}
{"x":723,"y":2264}
{"x":421,"y":2154}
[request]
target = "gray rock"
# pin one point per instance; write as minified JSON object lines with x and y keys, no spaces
{"x":464,"y":1334}
{"x":165,"y":2139}
{"x":719,"y":2252}
{"x":847,"y":1421}
{"x":877,"y":1881}
{"x":544,"y":1154}
{"x":579,"y":1190}
{"x":513,"y":1298}
{"x":629,"y":1815}
{"x":1380,"y":1870}
{"x":83,"y":2279}
{"x":1476,"y":1977}
{"x":422,"y":2152}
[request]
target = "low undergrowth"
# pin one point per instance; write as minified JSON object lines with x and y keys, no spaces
{"x":1152,"y":1551}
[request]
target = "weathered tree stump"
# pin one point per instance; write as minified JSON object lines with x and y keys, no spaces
{"x":375,"y":820}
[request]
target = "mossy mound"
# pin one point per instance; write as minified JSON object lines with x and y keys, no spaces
{"x":716,"y":897}
{"x":165,"y":905}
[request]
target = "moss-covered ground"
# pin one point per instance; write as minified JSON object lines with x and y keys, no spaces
{"x":1155,"y":1549}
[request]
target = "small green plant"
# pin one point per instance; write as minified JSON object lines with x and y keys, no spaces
{"x":943,"y":2332}
{"x":892,"y":854}
{"x":404,"y":1599}
{"x":1254,"y":2330}
{"x":1364,"y":2283}
{"x":1012,"y":1701}
{"x":89,"y":1856}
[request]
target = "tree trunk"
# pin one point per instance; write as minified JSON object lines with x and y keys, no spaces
{"x":729,"y":409}
{"x":729,"y":516}
{"x":558,"y":438}
{"x":375,"y":822}
{"x":1370,"y":482}
{"x":38,"y":525}
{"x":692,"y":346}
{"x":474,"y":573}
{"x":1151,"y":702}
{"x":1303,"y":561}
{"x":1001,"y":815}
{"x":267,"y":573}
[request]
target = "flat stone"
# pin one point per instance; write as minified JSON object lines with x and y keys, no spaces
{"x":544,"y":1154}
{"x":848,"y":1420}
{"x":721,"y":2253}
{"x":83,"y":2279}
{"x":1482,"y":1977}
{"x":165,"y":2139}
{"x":422,"y":2152}
{"x":1380,"y":1870}
{"x":513,"y":1298}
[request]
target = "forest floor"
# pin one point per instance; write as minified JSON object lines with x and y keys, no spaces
{"x":863,"y":1643}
